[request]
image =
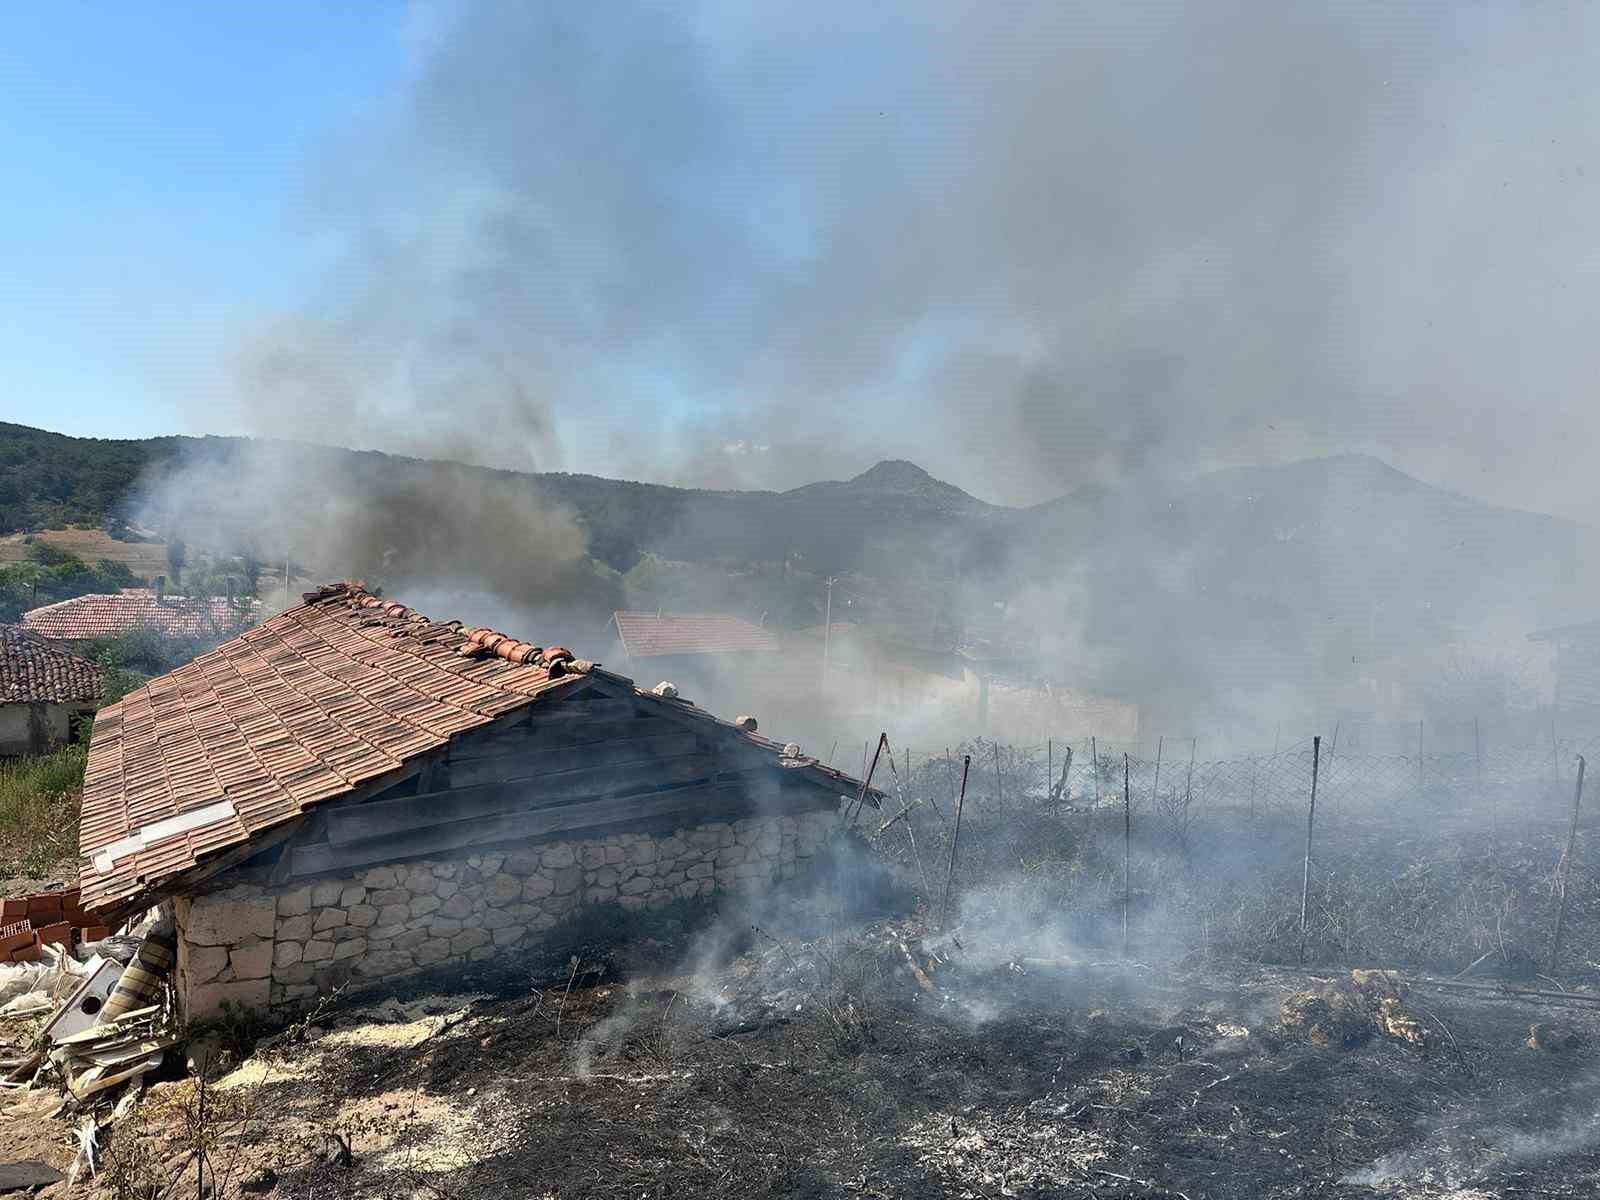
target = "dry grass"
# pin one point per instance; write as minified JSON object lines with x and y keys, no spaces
{"x":91,"y":545}
{"x":39,"y":803}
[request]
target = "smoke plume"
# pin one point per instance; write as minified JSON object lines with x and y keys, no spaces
{"x":1029,"y":245}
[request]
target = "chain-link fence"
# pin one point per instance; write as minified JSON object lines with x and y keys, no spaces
{"x":1432,"y":856}
{"x":1174,"y":784}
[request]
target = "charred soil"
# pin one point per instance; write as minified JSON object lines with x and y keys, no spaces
{"x":828,"y":1068}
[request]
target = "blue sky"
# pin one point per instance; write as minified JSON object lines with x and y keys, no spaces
{"x":151,"y":164}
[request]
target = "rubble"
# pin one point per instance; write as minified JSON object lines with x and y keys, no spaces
{"x":1555,"y":1037}
{"x":1347,"y":1012}
{"x":53,"y":917}
{"x":94,"y":1039}
{"x":115,"y":1051}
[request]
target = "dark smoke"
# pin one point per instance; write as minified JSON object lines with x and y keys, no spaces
{"x":451,"y":541}
{"x":1033,"y":246}
{"x":1029,"y":245}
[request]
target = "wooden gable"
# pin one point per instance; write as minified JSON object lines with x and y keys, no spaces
{"x":598,"y":756}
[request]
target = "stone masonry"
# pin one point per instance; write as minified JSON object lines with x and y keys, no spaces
{"x":275,"y":948}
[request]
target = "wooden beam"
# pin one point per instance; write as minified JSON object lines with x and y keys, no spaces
{"x":350,"y":823}
{"x":723,"y":734}
{"x":184,"y":882}
{"x":713,"y":801}
{"x":538,"y":764}
{"x":556,"y":734}
{"x":560,"y":714}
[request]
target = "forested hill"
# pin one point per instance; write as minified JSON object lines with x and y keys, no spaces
{"x":48,"y":480}
{"x":1246,"y":576}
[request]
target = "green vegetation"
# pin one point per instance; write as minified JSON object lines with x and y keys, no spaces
{"x":52,"y":574}
{"x":141,"y":653}
{"x":48,"y":481}
{"x":39,"y":803}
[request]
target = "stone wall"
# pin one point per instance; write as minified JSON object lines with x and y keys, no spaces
{"x":264,"y":948}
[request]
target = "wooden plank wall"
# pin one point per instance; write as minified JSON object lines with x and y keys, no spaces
{"x":585,"y":764}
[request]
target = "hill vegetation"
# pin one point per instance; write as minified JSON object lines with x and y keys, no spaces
{"x":1249,"y":583}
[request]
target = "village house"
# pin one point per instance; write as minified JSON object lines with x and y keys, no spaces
{"x":947,"y":690}
{"x":44,"y":691}
{"x":1577,"y":670}
{"x":351,"y":792}
{"x":107,"y":615}
{"x":697,"y":651}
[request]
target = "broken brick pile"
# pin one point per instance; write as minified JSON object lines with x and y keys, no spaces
{"x":29,"y":923}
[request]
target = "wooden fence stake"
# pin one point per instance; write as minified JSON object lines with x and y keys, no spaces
{"x":999,"y":796}
{"x":1311,"y":821}
{"x":1127,"y":853}
{"x":1477,"y":770}
{"x":1566,"y":870}
{"x":1188,"y":787}
{"x":955,"y":838}
{"x":866,"y":784}
{"x":1155,"y":783}
{"x":1419,"y":758}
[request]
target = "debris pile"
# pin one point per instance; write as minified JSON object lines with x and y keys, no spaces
{"x":1347,"y":1012}
{"x":109,"y":1022}
{"x":48,"y":918}
{"x":105,"y":1055}
{"x":1555,"y":1037}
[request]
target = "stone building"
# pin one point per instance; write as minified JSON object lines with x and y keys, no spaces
{"x":350,"y":793}
{"x":44,"y":690}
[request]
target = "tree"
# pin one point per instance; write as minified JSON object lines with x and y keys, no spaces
{"x":251,"y":567}
{"x":177,"y":556}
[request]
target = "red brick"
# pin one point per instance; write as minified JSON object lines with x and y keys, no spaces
{"x":29,"y":953}
{"x":44,"y":903}
{"x":93,"y":933}
{"x":13,"y":910}
{"x":59,"y":934}
{"x":11,"y":941}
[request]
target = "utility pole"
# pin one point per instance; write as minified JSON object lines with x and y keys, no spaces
{"x":827,"y":629}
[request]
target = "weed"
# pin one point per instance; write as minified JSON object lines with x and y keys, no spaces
{"x":39,"y":803}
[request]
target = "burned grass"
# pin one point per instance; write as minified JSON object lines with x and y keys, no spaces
{"x":825,"y":1068}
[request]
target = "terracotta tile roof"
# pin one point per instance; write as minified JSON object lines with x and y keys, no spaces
{"x":309,"y":705}
{"x":107,"y":615}
{"x":648,"y":634}
{"x":32,"y":671}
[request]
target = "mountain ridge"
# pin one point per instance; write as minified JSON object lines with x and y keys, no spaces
{"x":1218,"y":585}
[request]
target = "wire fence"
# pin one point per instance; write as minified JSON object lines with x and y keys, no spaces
{"x":1432,"y":857}
{"x":1509,"y":781}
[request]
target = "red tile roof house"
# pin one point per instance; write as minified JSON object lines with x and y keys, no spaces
{"x":711,"y":656}
{"x":102,"y":615}
{"x":43,"y":692}
{"x":351,"y":792}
